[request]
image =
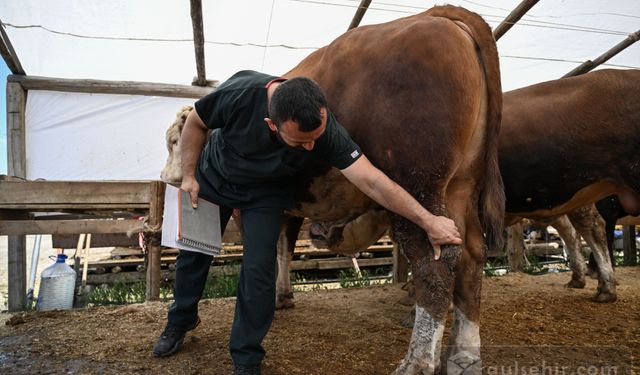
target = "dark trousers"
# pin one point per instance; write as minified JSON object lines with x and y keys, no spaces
{"x":255,"y":304}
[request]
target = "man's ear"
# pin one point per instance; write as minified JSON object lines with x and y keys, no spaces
{"x":271,"y":124}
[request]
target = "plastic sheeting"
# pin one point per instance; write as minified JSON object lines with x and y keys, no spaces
{"x":81,"y":136}
{"x":147,"y":40}
{"x":76,"y":136}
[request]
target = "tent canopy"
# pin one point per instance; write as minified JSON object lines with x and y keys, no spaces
{"x":146,"y":40}
{"x":103,"y":136}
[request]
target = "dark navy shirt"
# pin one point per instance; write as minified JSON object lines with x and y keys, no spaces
{"x":244,"y":164}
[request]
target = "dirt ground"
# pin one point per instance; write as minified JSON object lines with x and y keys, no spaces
{"x":528,"y":322}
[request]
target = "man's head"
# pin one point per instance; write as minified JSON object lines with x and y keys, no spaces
{"x":297,"y":112}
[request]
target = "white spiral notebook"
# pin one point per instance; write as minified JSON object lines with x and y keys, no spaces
{"x":186,"y":228}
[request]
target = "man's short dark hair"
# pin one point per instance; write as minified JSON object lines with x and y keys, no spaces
{"x":298,"y":99}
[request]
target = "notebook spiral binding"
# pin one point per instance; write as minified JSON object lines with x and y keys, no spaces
{"x":200,"y":245}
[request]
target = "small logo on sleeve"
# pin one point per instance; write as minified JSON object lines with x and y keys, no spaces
{"x":355,"y":154}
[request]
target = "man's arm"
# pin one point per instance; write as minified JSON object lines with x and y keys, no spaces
{"x":374,"y":183}
{"x":192,"y":140}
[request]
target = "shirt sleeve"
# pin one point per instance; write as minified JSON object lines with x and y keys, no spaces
{"x":210,"y":108}
{"x":336,"y":146}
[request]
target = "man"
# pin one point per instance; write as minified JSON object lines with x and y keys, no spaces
{"x":266,"y":129}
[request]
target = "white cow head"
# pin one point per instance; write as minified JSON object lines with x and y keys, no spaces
{"x":172,"y":171}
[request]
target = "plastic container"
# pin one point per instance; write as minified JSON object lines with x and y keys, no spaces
{"x":57,"y":283}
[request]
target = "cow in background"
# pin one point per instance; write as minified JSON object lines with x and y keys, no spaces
{"x":430,"y":121}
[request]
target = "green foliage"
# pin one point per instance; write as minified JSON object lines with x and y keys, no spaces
{"x":221,"y":286}
{"x":349,"y":278}
{"x":117,"y":294}
{"x":534,"y":267}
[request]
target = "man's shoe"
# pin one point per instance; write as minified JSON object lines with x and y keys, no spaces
{"x":171,"y":339}
{"x":246,"y":369}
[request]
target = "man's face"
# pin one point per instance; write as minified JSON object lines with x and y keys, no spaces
{"x":290,"y":134}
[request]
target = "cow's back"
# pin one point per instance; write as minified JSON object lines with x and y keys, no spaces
{"x":560,"y":137}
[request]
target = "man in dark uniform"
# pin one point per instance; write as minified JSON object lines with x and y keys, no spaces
{"x":266,"y":129}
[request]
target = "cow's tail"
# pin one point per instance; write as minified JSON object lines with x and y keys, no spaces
{"x":492,"y":197}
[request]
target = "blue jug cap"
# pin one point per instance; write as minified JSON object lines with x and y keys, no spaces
{"x":61,"y":258}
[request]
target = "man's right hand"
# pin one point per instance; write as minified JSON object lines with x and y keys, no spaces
{"x":191,"y":186}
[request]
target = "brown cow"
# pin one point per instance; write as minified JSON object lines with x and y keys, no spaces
{"x":421,"y":96}
{"x":564,"y":145}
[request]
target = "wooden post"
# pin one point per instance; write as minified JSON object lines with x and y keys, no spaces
{"x":513,"y":17}
{"x":590,"y":65}
{"x":362,"y":9}
{"x":629,"y":245}
{"x":400,"y":265}
{"x":8,"y":53}
{"x":152,"y":240}
{"x":198,"y":42}
{"x":515,"y":247}
{"x":17,"y":245}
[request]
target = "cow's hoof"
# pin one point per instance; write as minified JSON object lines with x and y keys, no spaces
{"x":285,"y":301}
{"x":604,"y":297}
{"x":464,"y":363}
{"x":575,"y":284}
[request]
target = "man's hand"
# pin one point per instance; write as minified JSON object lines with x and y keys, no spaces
{"x":191,"y":186}
{"x":442,"y":231}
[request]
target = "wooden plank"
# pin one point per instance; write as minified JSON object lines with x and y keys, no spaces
{"x":17,"y":262}
{"x":152,"y":239}
{"x":513,"y":17}
{"x":362,"y":9}
{"x":69,"y":241}
{"x":590,"y":65}
{"x":19,"y":227}
{"x":109,"y":87}
{"x":346,"y":263}
{"x":29,"y":195}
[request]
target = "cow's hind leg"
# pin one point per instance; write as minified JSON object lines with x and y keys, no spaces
{"x":286,"y":246}
{"x":590,"y":226}
{"x":463,"y":353}
{"x":573,"y":246}
{"x":433,"y":281}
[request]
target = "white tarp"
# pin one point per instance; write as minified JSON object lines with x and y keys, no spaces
{"x":148,"y":40}
{"x":107,"y":137}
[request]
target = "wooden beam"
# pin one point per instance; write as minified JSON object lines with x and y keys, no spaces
{"x":590,"y":65}
{"x":16,"y":160}
{"x":109,"y":87}
{"x":19,"y":227}
{"x":515,"y":247}
{"x":29,"y":195}
{"x":362,"y":9}
{"x":513,"y":17}
{"x":198,"y":42}
{"x":8,"y":53}
{"x":152,"y":239}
